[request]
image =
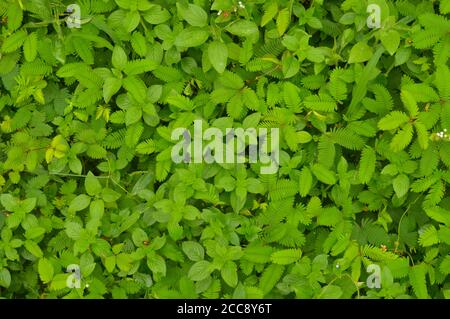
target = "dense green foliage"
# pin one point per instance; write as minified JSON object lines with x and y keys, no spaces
{"x":86,"y":175}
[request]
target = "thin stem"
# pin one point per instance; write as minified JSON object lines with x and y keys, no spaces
{"x":112,"y":179}
{"x":329,"y":284}
{"x":74,"y":175}
{"x":403,"y":215}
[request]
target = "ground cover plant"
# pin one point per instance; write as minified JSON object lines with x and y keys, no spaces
{"x":93,"y":206}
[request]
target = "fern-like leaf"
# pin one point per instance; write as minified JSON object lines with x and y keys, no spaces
{"x":321,"y":102}
{"x":346,"y":138}
{"x":367,"y":165}
{"x":418,"y":281}
{"x":270,"y":276}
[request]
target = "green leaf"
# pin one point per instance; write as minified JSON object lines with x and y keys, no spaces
{"x":191,"y":37}
{"x":146,"y":147}
{"x":390,"y":40}
{"x":34,"y":232}
{"x":291,"y":95}
{"x":393,"y":120}
{"x":96,"y":209}
{"x":401,"y":185}
{"x":5,"y":278}
{"x":200,"y":270}
{"x":329,"y":217}
{"x":237,"y":201}
{"x":305,"y":180}
{"x":444,"y":267}
{"x":360,"y":89}
{"x":270,"y":277}
{"x":181,"y":102}
{"x":409,"y":103}
{"x":140,"y":66}
{"x":156,"y":263}
{"x":110,"y":263}
{"x":402,"y":56}
{"x":139,"y":236}
{"x":229,"y":273}
{"x":15,"y":16}
{"x":283,"y":21}
{"x":321,"y":102}
{"x":252,"y":120}
{"x":422,"y":134}
{"x":258,"y":254}
{"x":286,"y":256}
{"x":9,"y":202}
{"x":119,"y":58}
{"x":136,"y":87}
{"x":134,"y":113}
{"x":73,"y":230}
{"x":28,"y":204}
{"x":315,"y":23}
{"x":402,"y":138}
{"x":131,"y":21}
{"x":360,"y":52}
{"x":418,"y":281}
{"x":45,"y":269}
{"x":79,"y":203}
{"x":30,"y":47}
{"x":429,"y":236}
{"x":270,"y":13}
{"x":290,"y":67}
{"x":218,"y":55}
{"x":33,"y":248}
{"x":111,"y":87}
{"x":367,"y":165}
{"x":92,"y":185}
{"x":59,"y":282}
{"x":315,"y":55}
{"x":133,"y":134}
{"x":109,"y":195}
{"x":124,"y":261}
{"x":14,"y":41}
{"x":139,"y":43}
{"x":254,"y":186}
{"x":323,"y":174}
{"x":193,"y":250}
{"x":444,"y":6}
{"x":242,"y":28}
{"x":193,"y":14}
{"x":304,"y":137}
{"x":156,"y":15}
{"x":330,"y":292}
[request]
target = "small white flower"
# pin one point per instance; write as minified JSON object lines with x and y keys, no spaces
{"x":241,"y":5}
{"x":443,"y":135}
{"x":337,"y":266}
{"x":219,"y":12}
